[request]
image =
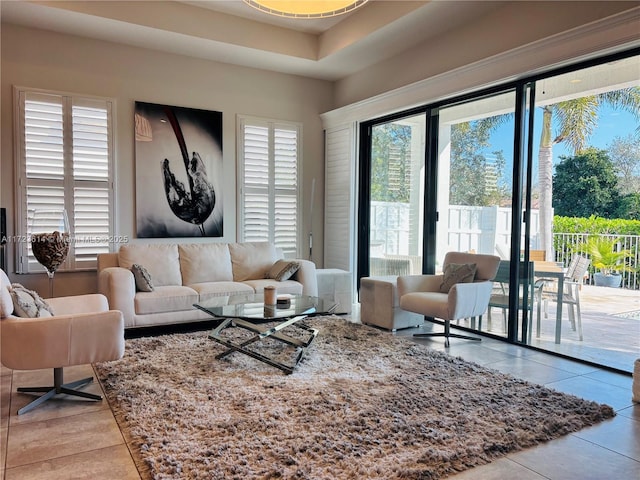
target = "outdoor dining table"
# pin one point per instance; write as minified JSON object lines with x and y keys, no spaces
{"x":552,"y":270}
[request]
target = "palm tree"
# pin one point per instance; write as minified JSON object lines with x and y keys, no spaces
{"x":577,"y":120}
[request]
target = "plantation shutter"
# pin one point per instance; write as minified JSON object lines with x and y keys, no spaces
{"x":92,"y":182}
{"x":65,"y":161}
{"x":339,"y":208}
{"x":255,"y":188}
{"x":268,"y":179}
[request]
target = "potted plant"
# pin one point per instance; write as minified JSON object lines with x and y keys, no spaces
{"x":609,"y":261}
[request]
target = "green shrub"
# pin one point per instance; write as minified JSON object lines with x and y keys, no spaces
{"x":595,"y":225}
{"x":580,"y":229}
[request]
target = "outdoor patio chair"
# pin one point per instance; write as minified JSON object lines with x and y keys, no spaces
{"x":500,"y":298}
{"x":573,"y":281}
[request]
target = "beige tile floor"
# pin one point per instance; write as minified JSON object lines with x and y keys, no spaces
{"x":76,"y":439}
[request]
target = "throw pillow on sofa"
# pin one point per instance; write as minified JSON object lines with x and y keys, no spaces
{"x":457,"y":273}
{"x":142,"y":278}
{"x":28,"y":304}
{"x":283,"y":270}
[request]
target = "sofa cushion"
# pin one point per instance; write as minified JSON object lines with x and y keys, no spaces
{"x":160,"y":260}
{"x":171,"y":298}
{"x":287,"y":286}
{"x":251,"y":260}
{"x":206,"y":262}
{"x":436,"y":303}
{"x":208,"y":290}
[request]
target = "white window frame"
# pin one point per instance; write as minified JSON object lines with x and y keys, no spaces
{"x":86,"y":245}
{"x":242,"y":189}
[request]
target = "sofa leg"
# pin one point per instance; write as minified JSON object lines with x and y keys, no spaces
{"x":57,"y":388}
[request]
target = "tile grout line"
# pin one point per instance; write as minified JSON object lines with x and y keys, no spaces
{"x":113,"y":416}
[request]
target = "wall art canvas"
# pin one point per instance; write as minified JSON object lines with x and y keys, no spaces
{"x":178,"y":171}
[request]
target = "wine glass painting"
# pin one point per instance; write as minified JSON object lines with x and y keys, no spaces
{"x":178,"y":171}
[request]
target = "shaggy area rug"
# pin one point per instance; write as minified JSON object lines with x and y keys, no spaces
{"x":362,"y":404}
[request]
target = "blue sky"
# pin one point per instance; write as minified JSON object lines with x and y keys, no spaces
{"x":611,"y":123}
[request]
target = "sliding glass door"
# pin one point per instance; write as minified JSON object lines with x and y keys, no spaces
{"x":536,"y":172}
{"x":586,"y":191}
{"x":395,"y":176}
{"x":475,"y":201}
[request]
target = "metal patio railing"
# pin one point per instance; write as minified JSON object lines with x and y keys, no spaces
{"x":566,"y":244}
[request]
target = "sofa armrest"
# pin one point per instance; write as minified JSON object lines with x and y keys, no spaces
{"x":119,"y":286}
{"x":62,"y":340}
{"x":306,"y":275}
{"x":419,"y":283}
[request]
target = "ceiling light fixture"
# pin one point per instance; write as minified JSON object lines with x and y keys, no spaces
{"x":306,"y":8}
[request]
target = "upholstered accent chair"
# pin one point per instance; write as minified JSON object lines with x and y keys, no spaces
{"x":82,"y":330}
{"x":462,"y":291}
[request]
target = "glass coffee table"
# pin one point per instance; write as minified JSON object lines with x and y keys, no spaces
{"x":248,"y":311}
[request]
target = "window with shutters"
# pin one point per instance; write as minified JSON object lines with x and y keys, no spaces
{"x":269,"y":166}
{"x":65,"y":160}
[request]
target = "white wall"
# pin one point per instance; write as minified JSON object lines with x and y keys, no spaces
{"x":52,"y":61}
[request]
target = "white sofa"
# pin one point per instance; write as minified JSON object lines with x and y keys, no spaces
{"x":184,"y":274}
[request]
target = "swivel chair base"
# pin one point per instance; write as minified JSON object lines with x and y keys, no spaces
{"x":57,"y":388}
{"x":446,"y":334}
{"x":446,"y":340}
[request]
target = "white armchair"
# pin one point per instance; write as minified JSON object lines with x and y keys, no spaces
{"x":423,"y":294}
{"x":81,"y":331}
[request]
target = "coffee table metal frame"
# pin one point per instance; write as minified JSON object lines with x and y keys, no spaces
{"x":255,"y":323}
